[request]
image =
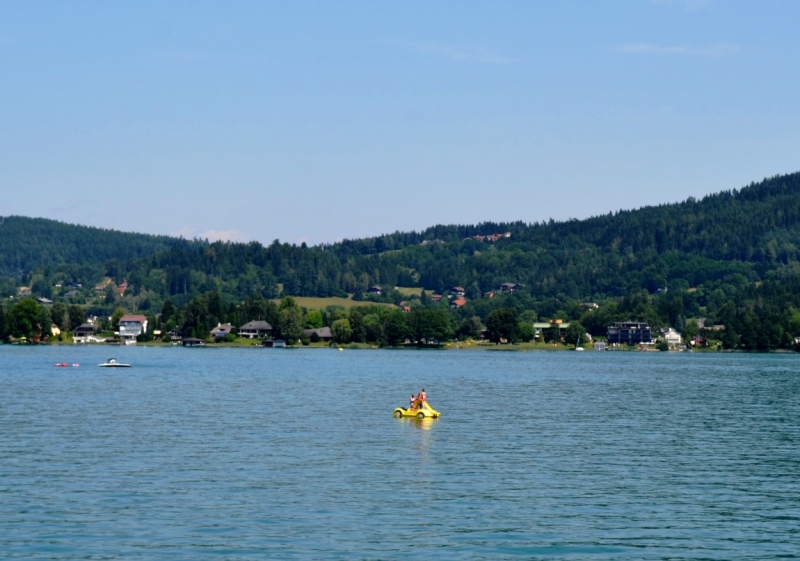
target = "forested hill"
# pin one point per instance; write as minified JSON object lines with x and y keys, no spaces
{"x":733,"y":238}
{"x":27,"y":244}
{"x":751,"y":224}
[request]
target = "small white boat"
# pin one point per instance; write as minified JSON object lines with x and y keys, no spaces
{"x":112,"y":363}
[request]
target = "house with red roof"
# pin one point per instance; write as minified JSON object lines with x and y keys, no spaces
{"x":131,"y":326}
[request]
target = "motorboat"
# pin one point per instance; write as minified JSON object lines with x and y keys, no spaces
{"x":423,"y":412}
{"x":112,"y":363}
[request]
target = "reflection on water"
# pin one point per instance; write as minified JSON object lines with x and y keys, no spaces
{"x":249,"y":454}
{"x":424,"y":424}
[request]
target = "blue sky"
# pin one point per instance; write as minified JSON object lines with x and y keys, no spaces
{"x":316,"y":121}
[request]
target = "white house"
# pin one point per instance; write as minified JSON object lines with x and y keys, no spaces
{"x":131,"y":326}
{"x":255,"y":329}
{"x":672,"y":337}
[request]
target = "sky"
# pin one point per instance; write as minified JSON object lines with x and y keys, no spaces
{"x":318,"y":121}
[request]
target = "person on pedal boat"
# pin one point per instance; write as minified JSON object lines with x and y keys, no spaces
{"x":421,"y":399}
{"x":411,"y":401}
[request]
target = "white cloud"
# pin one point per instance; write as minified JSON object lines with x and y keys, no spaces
{"x":185,"y":232}
{"x":453,"y":52}
{"x":212,"y":235}
{"x":715,"y":51}
{"x":223,"y":235}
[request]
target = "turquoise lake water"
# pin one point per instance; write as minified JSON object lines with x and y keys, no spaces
{"x":294,"y":454}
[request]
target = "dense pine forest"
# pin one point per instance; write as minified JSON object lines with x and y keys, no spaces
{"x":732,"y":258}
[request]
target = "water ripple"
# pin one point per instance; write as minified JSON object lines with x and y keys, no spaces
{"x":293,"y":454}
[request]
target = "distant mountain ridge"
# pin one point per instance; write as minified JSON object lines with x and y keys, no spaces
{"x":732,"y":237}
{"x":27,"y":244}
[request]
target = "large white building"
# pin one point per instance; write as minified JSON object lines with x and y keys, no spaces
{"x":672,"y":337}
{"x":131,"y":326}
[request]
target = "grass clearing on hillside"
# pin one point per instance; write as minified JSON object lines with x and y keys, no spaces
{"x":409,"y":291}
{"x":312,"y":303}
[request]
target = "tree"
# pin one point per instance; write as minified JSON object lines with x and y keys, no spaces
{"x":431,"y":323}
{"x":60,"y":316}
{"x":287,"y":302}
{"x":729,"y":337}
{"x":357,"y":324}
{"x":750,"y":328}
{"x":395,"y":327}
{"x":553,"y":333}
{"x":314,"y":319}
{"x":373,"y":326}
{"x":424,"y":299}
{"x":575,"y":334}
{"x":290,"y":324}
{"x":216,"y":309}
{"x":111,"y":295}
{"x":44,"y":322}
{"x":167,"y":310}
{"x":77,"y":316}
{"x":470,"y":327}
{"x":115,"y":317}
{"x":502,"y":324}
{"x":23,"y":317}
{"x":691,"y":330}
{"x":341,"y":331}
{"x":526,"y":331}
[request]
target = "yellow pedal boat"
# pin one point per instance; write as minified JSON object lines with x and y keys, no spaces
{"x":424,"y":412}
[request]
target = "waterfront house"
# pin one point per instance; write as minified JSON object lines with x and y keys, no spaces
{"x":489,"y":294}
{"x":44,"y":301}
{"x":374,"y":289}
{"x":629,"y":333}
{"x":83,"y":330}
{"x":276,"y":343}
{"x":672,"y":337}
{"x":599,"y":346}
{"x":324,"y":333}
{"x":540,"y":326}
{"x":131,"y":326}
{"x":436,"y":298}
{"x":458,"y":303}
{"x":84,"y":333}
{"x":192,"y":342}
{"x":458,"y":291}
{"x":699,"y":341}
{"x":222,"y":330}
{"x":255,"y":329}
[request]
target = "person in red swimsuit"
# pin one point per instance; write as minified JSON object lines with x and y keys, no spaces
{"x":421,"y":399}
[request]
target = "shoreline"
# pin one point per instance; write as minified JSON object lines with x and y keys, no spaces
{"x":465,"y":346}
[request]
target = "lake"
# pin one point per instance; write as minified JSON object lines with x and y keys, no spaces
{"x":293,"y":454}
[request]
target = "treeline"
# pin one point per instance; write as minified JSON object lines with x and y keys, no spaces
{"x":754,"y":316}
{"x":77,"y":252}
{"x":729,"y":257}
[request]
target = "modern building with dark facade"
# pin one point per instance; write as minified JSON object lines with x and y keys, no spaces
{"x":629,"y":333}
